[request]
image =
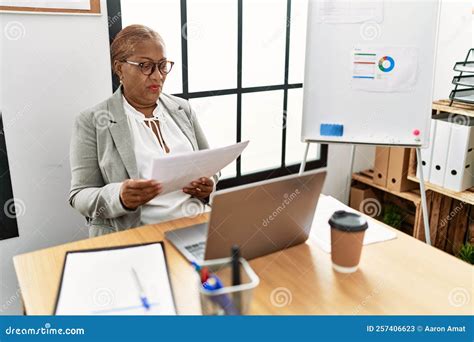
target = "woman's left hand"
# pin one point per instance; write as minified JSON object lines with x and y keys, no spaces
{"x":200,"y":188}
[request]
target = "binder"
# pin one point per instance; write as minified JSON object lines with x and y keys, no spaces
{"x":398,"y":170}
{"x":440,"y":151}
{"x":459,"y":165}
{"x":382,"y":155}
{"x":426,"y":154}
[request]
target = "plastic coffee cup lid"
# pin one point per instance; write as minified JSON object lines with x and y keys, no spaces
{"x":348,"y":222}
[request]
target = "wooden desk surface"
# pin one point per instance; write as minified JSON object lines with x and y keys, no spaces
{"x":398,"y":277}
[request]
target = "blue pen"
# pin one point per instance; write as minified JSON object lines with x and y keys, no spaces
{"x":224,"y":301}
{"x":141,"y":291}
{"x":196,"y":266}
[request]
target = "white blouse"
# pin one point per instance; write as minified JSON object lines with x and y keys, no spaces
{"x":147,"y":146}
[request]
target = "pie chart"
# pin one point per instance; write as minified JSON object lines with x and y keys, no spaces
{"x":386,"y":64}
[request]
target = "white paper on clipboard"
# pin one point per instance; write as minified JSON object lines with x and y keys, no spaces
{"x":101,"y":282}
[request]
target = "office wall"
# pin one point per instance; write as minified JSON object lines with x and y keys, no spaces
{"x":52,"y":67}
{"x":455,"y":38}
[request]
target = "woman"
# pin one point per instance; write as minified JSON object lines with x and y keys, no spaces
{"x":114,"y":142}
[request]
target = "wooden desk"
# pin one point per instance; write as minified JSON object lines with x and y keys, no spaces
{"x":397,"y":277}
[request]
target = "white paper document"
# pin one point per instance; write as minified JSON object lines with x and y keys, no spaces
{"x":384,"y":69}
{"x":104,"y":282}
{"x":349,"y":11}
{"x":175,"y":172}
{"x":65,"y":4}
{"x":321,"y":231}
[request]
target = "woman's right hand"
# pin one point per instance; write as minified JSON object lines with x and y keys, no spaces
{"x":136,"y":192}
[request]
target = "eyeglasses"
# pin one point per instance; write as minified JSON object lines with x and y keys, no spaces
{"x":148,"y":68}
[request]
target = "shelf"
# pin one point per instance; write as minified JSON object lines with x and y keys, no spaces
{"x":463,"y":95}
{"x":364,"y":177}
{"x":464,"y":196}
{"x":446,"y":234}
{"x":456,"y":108}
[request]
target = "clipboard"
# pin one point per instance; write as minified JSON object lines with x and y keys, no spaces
{"x":113,"y":311}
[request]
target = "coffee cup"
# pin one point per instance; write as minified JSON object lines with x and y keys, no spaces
{"x":347,"y":237}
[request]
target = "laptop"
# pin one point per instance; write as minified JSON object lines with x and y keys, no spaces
{"x":260,"y":218}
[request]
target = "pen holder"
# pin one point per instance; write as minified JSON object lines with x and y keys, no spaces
{"x":228,"y":300}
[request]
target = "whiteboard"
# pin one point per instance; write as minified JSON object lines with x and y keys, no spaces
{"x":370,"y":71}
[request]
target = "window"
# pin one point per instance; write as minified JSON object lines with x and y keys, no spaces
{"x":244,"y":79}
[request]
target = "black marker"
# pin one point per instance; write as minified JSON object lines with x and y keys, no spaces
{"x":235,"y":265}
{"x":236,"y":276}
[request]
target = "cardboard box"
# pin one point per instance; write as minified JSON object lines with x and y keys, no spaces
{"x":364,"y":200}
{"x":382,"y":155}
{"x":398,"y":170}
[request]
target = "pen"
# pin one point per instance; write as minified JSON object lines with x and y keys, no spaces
{"x":236,"y":275}
{"x":196,"y":266}
{"x":203,"y":271}
{"x":211,"y":282}
{"x":224,"y":301}
{"x":141,"y":291}
{"x":204,"y":274}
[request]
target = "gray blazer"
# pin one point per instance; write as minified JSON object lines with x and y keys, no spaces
{"x":102,"y":157}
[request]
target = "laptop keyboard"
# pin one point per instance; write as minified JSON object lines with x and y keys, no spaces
{"x":197,"y":250}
